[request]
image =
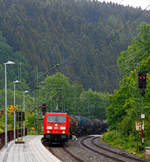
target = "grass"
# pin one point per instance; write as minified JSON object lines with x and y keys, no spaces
{"x":127,"y":143}
{"x":1,"y":130}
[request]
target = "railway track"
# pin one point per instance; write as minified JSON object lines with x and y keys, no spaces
{"x":123,"y":153}
{"x":64,"y":154}
{"x":89,"y":149}
{"x":108,"y":152}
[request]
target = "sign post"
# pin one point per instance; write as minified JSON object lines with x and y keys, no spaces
{"x":140,"y":130}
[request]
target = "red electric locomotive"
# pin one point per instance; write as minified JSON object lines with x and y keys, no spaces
{"x":56,"y":128}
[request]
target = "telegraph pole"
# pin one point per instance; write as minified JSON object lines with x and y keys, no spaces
{"x":38,"y":113}
{"x":5,"y":64}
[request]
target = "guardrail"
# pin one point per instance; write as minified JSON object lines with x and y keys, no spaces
{"x":10,"y":136}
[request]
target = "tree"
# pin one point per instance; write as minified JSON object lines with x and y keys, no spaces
{"x":126,"y":104}
{"x":56,"y":90}
{"x":93,"y":104}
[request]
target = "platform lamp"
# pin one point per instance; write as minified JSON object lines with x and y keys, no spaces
{"x":5,"y":64}
{"x":24,"y":104}
{"x":15,"y":82}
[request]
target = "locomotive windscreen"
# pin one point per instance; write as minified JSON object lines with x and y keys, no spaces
{"x":54,"y":119}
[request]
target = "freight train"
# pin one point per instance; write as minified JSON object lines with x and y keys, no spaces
{"x":59,"y":127}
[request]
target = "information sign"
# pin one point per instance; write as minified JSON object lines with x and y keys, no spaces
{"x":139,"y":126}
{"x":11,"y":107}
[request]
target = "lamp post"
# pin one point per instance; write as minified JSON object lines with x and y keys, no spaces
{"x":5,"y":64}
{"x":24,"y":105}
{"x":15,"y":82}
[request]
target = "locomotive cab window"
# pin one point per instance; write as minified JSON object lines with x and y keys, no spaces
{"x":56,"y":119}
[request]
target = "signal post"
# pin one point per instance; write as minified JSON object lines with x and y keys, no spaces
{"x":20,"y":118}
{"x":140,"y":124}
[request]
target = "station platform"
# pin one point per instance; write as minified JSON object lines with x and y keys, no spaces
{"x":31,"y":151}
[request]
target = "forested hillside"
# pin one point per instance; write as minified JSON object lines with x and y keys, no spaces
{"x":84,"y":37}
{"x":9,"y":53}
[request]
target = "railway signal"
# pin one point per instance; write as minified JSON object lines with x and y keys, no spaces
{"x":20,"y":116}
{"x":142,"y":82}
{"x":43,"y":109}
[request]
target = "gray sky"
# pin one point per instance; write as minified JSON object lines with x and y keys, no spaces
{"x":134,"y":3}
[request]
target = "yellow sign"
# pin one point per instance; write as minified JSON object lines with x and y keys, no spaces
{"x":32,"y":128}
{"x":139,"y":126}
{"x":11,"y":107}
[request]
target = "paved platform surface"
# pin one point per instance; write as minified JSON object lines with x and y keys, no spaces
{"x":31,"y":151}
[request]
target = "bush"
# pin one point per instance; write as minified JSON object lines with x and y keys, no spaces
{"x":109,"y":136}
{"x":116,"y":140}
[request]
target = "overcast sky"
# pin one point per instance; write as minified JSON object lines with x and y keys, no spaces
{"x":134,"y":3}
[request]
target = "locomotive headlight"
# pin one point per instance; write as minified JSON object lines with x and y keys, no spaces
{"x":49,"y":127}
{"x":48,"y":131}
{"x":63,"y":132}
{"x":62,"y":128}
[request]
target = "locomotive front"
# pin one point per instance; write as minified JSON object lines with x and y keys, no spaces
{"x":56,"y":127}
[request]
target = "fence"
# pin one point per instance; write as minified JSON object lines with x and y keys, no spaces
{"x":10,"y":136}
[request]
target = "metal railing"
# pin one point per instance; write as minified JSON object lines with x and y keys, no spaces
{"x":19,"y":132}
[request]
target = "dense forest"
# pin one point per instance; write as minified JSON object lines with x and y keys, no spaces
{"x":84,"y":37}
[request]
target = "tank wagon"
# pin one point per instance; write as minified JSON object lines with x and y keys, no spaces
{"x":89,"y":126}
{"x":59,"y":127}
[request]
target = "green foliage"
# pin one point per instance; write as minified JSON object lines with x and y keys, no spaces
{"x":2,"y":121}
{"x":32,"y":122}
{"x":137,"y":55}
{"x":19,"y":95}
{"x":127,"y":104}
{"x":10,"y":121}
{"x":57,"y":92}
{"x":122,"y":102}
{"x":109,"y":137}
{"x":127,"y":143}
{"x":147,"y":128}
{"x":13,"y":71}
{"x":93,"y":104}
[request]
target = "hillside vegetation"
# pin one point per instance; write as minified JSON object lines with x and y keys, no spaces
{"x":84,"y":37}
{"x":127,"y":104}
